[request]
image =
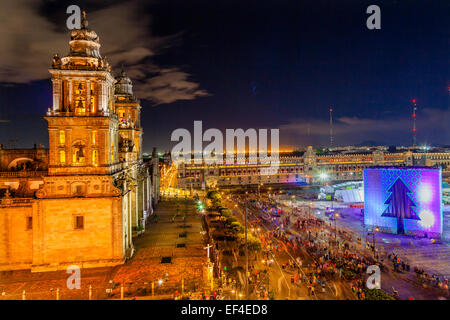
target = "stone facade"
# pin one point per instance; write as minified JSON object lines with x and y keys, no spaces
{"x":81,"y":201}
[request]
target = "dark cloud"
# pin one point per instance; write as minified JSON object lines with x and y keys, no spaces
{"x":30,"y":39}
{"x":432,"y":125}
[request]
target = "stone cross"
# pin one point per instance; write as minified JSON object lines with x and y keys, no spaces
{"x":207,"y":248}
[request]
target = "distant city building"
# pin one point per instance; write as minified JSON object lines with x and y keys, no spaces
{"x":81,"y":201}
{"x":305,"y":167}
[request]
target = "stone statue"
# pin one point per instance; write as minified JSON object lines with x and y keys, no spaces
{"x":56,"y":63}
{"x":84,"y":21}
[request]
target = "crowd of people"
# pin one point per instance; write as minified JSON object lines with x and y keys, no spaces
{"x":328,"y":259}
{"x":324,"y":252}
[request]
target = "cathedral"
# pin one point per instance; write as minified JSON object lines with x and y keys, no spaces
{"x":82,"y":200}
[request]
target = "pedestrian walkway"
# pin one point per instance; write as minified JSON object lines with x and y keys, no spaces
{"x":170,"y":250}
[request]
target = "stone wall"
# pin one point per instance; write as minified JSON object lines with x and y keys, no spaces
{"x":57,"y":243}
{"x":15,"y":239}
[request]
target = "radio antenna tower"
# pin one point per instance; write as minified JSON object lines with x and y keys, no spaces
{"x":331,"y":128}
{"x":414,"y":122}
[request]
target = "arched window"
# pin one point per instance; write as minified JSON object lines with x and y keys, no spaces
{"x":80,"y":97}
{"x":78,"y":153}
{"x":94,"y":137}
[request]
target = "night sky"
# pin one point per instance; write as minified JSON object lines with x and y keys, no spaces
{"x":246,"y":64}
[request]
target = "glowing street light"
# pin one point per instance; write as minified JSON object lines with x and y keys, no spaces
{"x":323,"y":176}
{"x":336,"y":215}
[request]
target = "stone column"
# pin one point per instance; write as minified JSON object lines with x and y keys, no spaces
{"x":145,"y":193}
{"x":150,"y":191}
{"x":140,"y":200}
{"x":101,"y":97}
{"x":56,"y":94}
{"x":134,"y":211}
{"x":68,"y":148}
{"x":130,"y":224}
{"x":88,"y":96}
{"x":70,"y":94}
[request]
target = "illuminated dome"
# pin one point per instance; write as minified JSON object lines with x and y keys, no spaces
{"x":84,"y":42}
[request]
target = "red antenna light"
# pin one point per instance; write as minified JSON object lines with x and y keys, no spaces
{"x":414,"y":121}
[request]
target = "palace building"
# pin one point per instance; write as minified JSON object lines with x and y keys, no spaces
{"x":305,"y":167}
{"x":81,"y":201}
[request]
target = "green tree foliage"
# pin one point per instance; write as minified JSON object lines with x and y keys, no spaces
{"x":254,"y":244}
{"x":227,"y":213}
{"x":214,"y":196}
{"x":377,"y":294}
{"x":236,"y":226}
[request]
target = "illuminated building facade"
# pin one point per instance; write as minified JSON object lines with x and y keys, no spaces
{"x":81,"y":201}
{"x":304,"y":168}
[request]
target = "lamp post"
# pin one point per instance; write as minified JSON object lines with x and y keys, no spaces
{"x":259,"y":191}
{"x":246,"y":253}
{"x":309,"y":210}
{"x":376,"y":229}
{"x":336,"y":215}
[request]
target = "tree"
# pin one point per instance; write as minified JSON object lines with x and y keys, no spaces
{"x":254,"y":244}
{"x":226,"y":213}
{"x":214,"y":195}
{"x":400,"y":205}
{"x":377,"y":294}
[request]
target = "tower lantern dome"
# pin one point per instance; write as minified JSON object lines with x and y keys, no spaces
{"x":123,"y":85}
{"x":84,"y":42}
{"x":84,"y":51}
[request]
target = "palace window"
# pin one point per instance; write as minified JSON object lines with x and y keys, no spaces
{"x":62,"y":137}
{"x":29,"y":223}
{"x":62,"y":157}
{"x":79,"y":222}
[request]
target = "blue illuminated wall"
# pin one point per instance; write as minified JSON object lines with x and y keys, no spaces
{"x":404,"y":200}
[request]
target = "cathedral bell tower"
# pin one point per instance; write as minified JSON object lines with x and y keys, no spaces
{"x":82,"y":123}
{"x":128,"y":109}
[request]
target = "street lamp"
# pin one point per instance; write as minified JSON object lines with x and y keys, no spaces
{"x":323,"y":176}
{"x":373,"y":231}
{"x":336,"y":215}
{"x":259,"y":191}
{"x":246,"y":253}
